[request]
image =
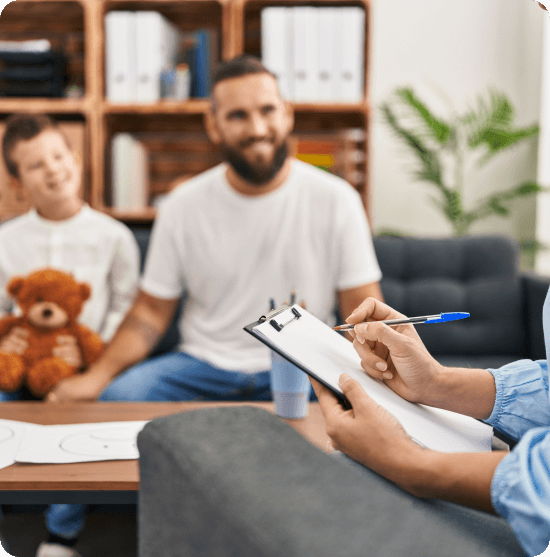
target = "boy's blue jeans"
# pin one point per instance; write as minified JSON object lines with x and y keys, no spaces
{"x":171,"y":377}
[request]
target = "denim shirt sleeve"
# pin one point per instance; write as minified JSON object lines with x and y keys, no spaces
{"x":520,"y":489}
{"x":522,"y":401}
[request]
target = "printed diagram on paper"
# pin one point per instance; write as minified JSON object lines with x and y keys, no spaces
{"x":11,"y":435}
{"x":50,"y":444}
{"x":81,"y":443}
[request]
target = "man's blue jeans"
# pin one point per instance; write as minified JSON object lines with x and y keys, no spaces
{"x":171,"y":377}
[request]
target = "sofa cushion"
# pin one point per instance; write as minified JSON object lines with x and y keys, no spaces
{"x":476,"y":274}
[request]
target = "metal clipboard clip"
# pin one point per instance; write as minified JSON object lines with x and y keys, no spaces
{"x":279,"y":326}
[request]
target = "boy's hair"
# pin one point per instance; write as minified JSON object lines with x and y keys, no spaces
{"x":23,"y":127}
{"x":236,"y":67}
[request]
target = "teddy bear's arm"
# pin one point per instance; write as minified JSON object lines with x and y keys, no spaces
{"x":90,"y":344}
{"x":7,"y":323}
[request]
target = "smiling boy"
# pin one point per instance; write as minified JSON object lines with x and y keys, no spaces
{"x":63,"y":232}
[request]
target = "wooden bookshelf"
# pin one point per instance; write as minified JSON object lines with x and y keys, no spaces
{"x":172,"y":130}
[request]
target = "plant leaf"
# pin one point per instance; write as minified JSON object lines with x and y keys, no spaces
{"x":436,"y":128}
{"x":431,"y":166}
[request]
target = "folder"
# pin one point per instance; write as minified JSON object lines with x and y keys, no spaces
{"x":158,"y":42}
{"x":324,"y":354}
{"x":121,"y":168}
{"x":306,"y":53}
{"x":327,"y":51}
{"x":277,"y":50}
{"x":120,"y":49}
{"x":350,"y":57}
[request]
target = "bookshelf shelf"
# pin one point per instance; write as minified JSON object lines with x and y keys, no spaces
{"x":164,"y":107}
{"x":53,"y":106}
{"x":359,"y":108}
{"x":138,"y":216}
{"x":172,"y":131}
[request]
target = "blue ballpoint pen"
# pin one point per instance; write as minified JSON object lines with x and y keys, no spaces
{"x":440,"y":318}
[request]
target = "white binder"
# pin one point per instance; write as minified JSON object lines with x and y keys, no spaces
{"x":120,"y":47}
{"x":129,"y":172}
{"x":121,"y":162}
{"x":306,"y":54}
{"x":157,"y":47}
{"x":350,"y":58}
{"x":277,"y":53}
{"x":139,"y":176}
{"x":327,"y":51}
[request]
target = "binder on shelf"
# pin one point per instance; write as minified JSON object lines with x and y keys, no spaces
{"x":204,"y":60}
{"x":324,"y":354}
{"x":349,"y":28}
{"x":158,"y":44}
{"x":327,"y":51}
{"x":277,"y":46}
{"x":120,"y":53}
{"x":306,"y":53}
{"x":139,"y":177}
{"x":129,"y":172}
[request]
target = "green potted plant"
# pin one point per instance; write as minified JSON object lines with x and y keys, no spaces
{"x":486,"y":129}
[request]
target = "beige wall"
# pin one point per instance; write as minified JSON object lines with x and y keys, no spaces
{"x":461,"y":47}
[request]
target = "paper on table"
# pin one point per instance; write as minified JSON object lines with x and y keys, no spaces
{"x":80,"y":442}
{"x":11,"y":435}
{"x":327,"y":354}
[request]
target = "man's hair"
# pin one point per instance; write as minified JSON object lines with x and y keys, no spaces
{"x":236,"y":67}
{"x":23,"y":127}
{"x":241,"y":65}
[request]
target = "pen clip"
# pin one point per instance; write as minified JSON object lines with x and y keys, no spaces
{"x":279,"y":326}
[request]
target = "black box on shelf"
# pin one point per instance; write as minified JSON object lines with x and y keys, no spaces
{"x":33,"y":74}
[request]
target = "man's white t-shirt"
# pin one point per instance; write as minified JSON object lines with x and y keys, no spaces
{"x":231,"y":253}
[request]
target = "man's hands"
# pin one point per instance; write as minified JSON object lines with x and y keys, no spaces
{"x":368,"y":433}
{"x":396,"y":355}
{"x":78,"y":387}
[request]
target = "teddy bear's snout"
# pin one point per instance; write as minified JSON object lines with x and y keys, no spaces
{"x":47,"y":314}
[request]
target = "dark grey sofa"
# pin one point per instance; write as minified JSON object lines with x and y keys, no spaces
{"x":476,"y":274}
{"x":239,"y":482}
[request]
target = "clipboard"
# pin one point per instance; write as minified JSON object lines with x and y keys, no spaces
{"x":278,"y":325}
{"x":324,"y":354}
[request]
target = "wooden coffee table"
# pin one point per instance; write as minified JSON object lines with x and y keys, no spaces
{"x":105,"y":482}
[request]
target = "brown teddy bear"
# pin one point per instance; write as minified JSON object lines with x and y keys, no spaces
{"x":50,"y":302}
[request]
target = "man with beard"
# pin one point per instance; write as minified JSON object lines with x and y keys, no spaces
{"x":251,"y":229}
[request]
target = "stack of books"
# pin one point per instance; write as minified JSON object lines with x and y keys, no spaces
{"x":146,"y":54}
{"x":340,"y":152}
{"x":317,"y":54}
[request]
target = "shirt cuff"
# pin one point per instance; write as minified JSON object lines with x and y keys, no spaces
{"x":494,"y":418}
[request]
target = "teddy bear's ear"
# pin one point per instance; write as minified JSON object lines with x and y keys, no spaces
{"x":15,"y":285}
{"x":85,"y":291}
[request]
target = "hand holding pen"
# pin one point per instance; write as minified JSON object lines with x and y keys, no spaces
{"x":428,"y":319}
{"x":399,"y":358}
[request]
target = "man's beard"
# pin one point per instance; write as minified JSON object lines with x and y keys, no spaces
{"x":255,"y":174}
